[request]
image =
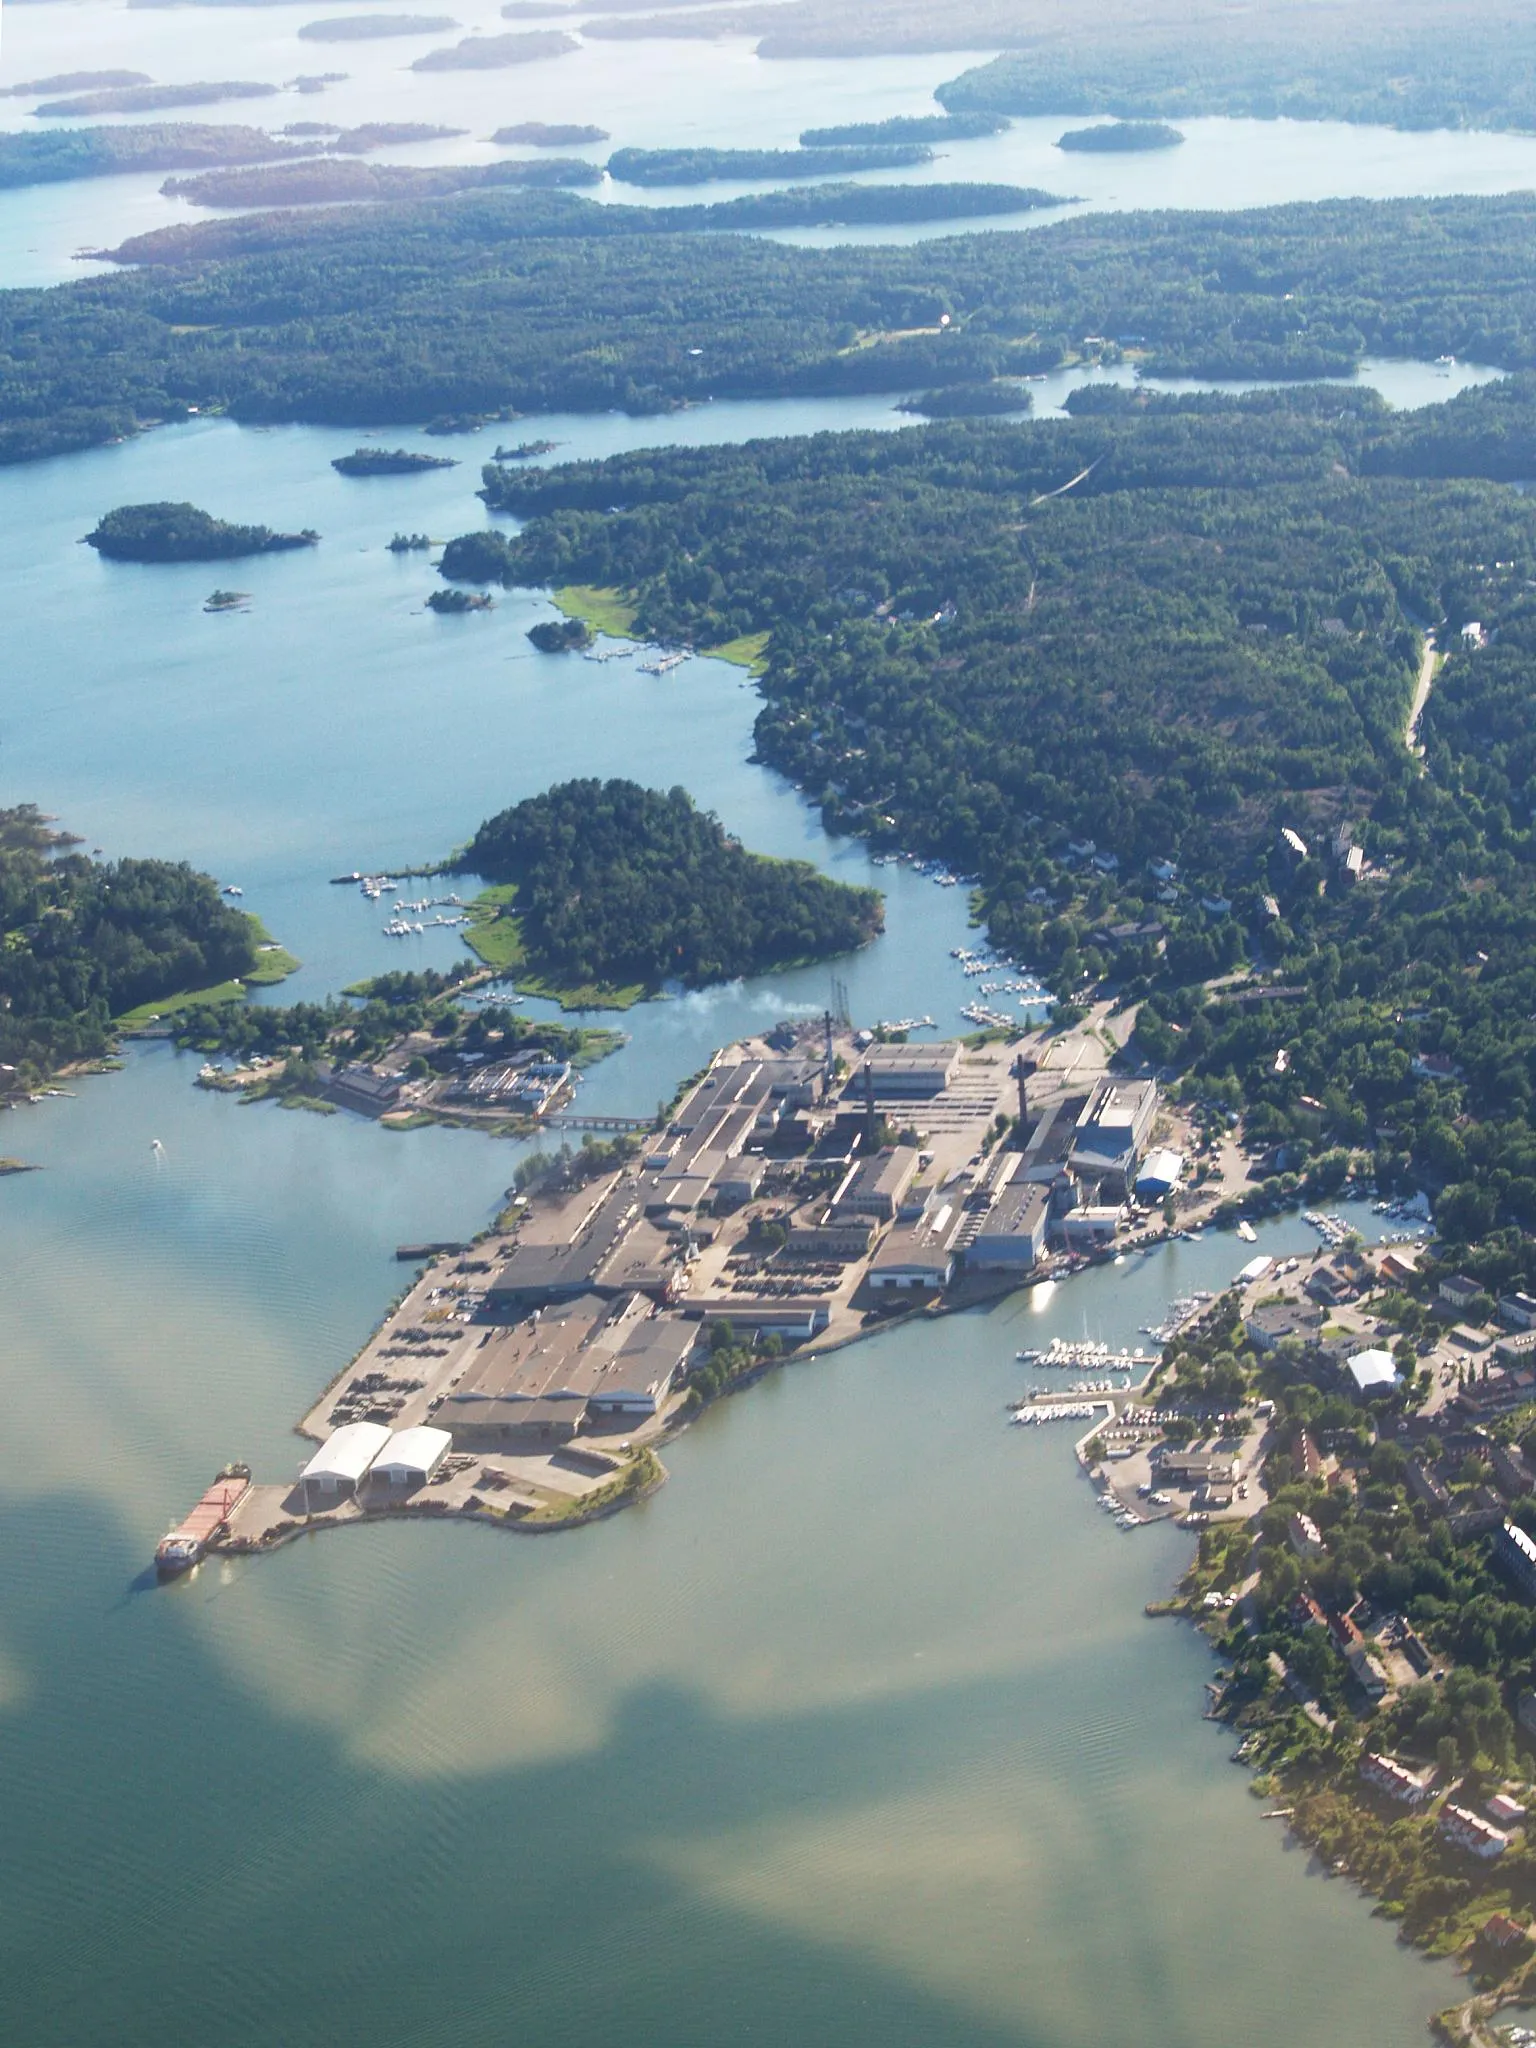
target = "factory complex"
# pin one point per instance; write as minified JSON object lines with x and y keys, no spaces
{"x":809,"y":1184}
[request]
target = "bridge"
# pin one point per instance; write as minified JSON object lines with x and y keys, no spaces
{"x":577,"y":1120}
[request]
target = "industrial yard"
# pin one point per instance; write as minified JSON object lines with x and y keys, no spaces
{"x":810,"y":1185}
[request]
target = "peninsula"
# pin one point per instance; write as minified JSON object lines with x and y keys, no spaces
{"x":73,"y":81}
{"x":66,"y":153}
{"x":324,"y":181}
{"x":709,"y":166}
{"x":605,"y":892}
{"x":88,"y":946}
{"x":148,"y":99}
{"x":182,"y":533}
{"x":906,"y":128}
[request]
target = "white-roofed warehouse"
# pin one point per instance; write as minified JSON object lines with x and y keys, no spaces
{"x":410,"y":1457}
{"x":336,"y":1470}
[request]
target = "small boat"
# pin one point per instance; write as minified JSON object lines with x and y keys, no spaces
{"x":1247,"y":1233}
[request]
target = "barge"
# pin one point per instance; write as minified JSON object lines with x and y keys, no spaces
{"x":182,"y":1547}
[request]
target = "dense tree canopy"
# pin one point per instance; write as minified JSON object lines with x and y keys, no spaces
{"x":617,"y":884}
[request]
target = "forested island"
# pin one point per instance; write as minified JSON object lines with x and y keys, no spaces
{"x":149,"y":99}
{"x":906,"y":128}
{"x":960,"y":401}
{"x":182,"y":533}
{"x":497,"y":53}
{"x":73,"y":81}
{"x":365,"y":28}
{"x":1213,"y":634}
{"x":386,"y":135}
{"x":607,"y":891}
{"x":549,"y":134}
{"x":66,"y":153}
{"x":711,"y":166}
{"x":561,"y":636}
{"x":1117,"y":137}
{"x":389,"y":462}
{"x":83,"y":942}
{"x":323,"y":181}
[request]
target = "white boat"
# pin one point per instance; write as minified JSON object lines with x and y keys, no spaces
{"x":1247,"y":1233}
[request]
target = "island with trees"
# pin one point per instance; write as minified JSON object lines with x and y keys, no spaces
{"x":364,"y":28}
{"x":604,"y":892}
{"x":1113,"y":138}
{"x":550,"y":134}
{"x":998,"y":395}
{"x":330,"y":180}
{"x":65,"y":153}
{"x":86,"y":945}
{"x":906,"y":128}
{"x":390,"y":462}
{"x":149,"y":99}
{"x":712,"y":166}
{"x":183,"y":533}
{"x":561,"y":636}
{"x":498,"y":53}
{"x":73,"y":81}
{"x":453,"y":602}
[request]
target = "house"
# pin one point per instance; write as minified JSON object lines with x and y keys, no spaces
{"x":1372,"y":1373}
{"x":1427,"y":1489}
{"x":1398,"y":1267}
{"x":1393,"y":1778}
{"x":1519,"y":1310}
{"x":1499,"y":1931}
{"x":1458,"y":1292}
{"x":1469,"y":1831}
{"x":1216,"y":905}
{"x":1367,"y":1672}
{"x":1331,"y":1282}
{"x":367,"y":1090}
{"x":1163,"y":870}
{"x":1512,"y":1475}
{"x":1504,"y":1811}
{"x":1352,"y":867}
{"x":1435,"y":1066}
{"x":1293,"y":845}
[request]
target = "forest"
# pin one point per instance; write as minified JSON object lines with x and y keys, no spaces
{"x":84,"y":941}
{"x":366,"y":316}
{"x":183,"y":533}
{"x":616,"y":885}
{"x":1214,"y":634}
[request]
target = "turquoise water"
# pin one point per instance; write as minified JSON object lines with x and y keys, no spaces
{"x":856,"y":1734}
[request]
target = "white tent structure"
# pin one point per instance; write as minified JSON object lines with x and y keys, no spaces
{"x":1373,"y":1372}
{"x":336,"y":1470}
{"x":410,"y":1458}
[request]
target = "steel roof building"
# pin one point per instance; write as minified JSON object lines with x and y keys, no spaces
{"x":336,"y":1470}
{"x":411,"y":1456}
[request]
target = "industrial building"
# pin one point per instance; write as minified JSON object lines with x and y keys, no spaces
{"x":1112,"y":1133}
{"x":1160,"y":1175}
{"x":534,"y":1275}
{"x":410,"y":1458}
{"x":915,"y":1258}
{"x":905,"y":1072}
{"x":1014,"y":1232}
{"x":337,"y":1469}
{"x":879,"y":1187}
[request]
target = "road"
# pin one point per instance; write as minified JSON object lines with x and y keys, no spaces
{"x":1421,"y":694}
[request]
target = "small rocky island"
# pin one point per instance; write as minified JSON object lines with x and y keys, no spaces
{"x":183,"y":533}
{"x":1114,"y":137}
{"x":451,"y":601}
{"x":389,"y":462}
{"x":550,"y":134}
{"x":561,"y":636}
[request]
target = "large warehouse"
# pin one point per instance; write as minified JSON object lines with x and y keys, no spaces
{"x":336,"y":1470}
{"x":410,"y":1458}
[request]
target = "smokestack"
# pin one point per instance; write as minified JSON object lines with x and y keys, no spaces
{"x":1021,"y":1076}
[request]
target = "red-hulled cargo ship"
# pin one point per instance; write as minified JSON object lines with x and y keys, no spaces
{"x":184,"y":1545}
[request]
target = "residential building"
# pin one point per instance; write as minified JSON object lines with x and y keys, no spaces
{"x":1471,"y":1832}
{"x":1427,"y":1489}
{"x":1395,"y":1779}
{"x":1367,"y":1672}
{"x":1517,"y":1348}
{"x":1516,"y":1553}
{"x":1305,"y":1536}
{"x":1373,"y":1373}
{"x":1274,"y":1323}
{"x":1512,"y":1475}
{"x":1458,"y":1292}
